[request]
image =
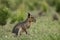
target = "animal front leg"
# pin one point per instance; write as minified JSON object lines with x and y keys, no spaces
{"x":26,"y":32}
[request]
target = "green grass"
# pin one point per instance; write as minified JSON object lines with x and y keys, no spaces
{"x":43,"y":29}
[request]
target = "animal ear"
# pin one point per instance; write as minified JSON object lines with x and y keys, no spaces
{"x":28,"y":15}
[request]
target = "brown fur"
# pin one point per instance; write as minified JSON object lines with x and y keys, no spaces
{"x":23,"y":26}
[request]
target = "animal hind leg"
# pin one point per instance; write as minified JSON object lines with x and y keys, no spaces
{"x":19,"y":32}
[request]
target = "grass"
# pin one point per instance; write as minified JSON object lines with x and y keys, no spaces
{"x":43,"y":29}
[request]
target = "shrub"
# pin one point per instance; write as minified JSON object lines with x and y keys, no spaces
{"x":44,"y":6}
{"x":58,"y":6}
{"x":37,"y":5}
{"x":51,"y":2}
{"x":18,"y":15}
{"x":4,"y":14}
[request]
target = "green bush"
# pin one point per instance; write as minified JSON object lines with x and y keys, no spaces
{"x":19,"y":16}
{"x":44,"y":6}
{"x":58,"y":6}
{"x":51,"y":2}
{"x":11,"y":4}
{"x":15,"y":18}
{"x":30,"y":6}
{"x":4,"y":14}
{"x":37,"y":5}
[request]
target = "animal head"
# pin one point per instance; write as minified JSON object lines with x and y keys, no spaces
{"x":31,"y":18}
